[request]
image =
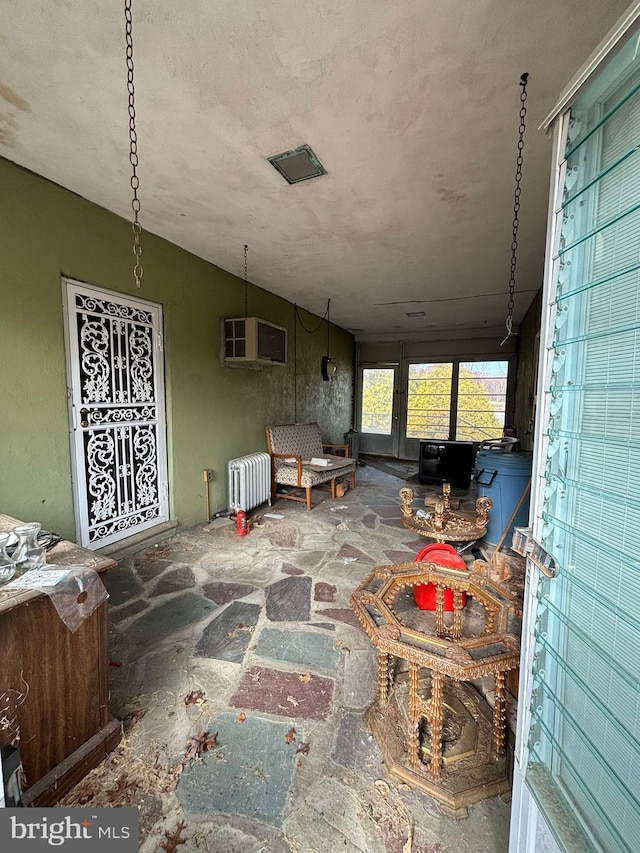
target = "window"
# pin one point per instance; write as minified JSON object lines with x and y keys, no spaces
{"x":429,"y":400}
{"x":482,"y":399}
{"x":377,"y":399}
{"x":465,"y":401}
{"x":584,"y":742}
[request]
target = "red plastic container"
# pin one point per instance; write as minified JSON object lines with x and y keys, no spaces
{"x":441,"y":555}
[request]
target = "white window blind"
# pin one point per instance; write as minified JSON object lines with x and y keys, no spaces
{"x":585,"y":732}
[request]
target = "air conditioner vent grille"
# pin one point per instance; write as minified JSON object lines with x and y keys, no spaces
{"x":271,"y":343}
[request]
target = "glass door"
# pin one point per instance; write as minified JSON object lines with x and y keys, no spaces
{"x":379,"y":409}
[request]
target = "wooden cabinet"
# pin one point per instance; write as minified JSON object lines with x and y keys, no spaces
{"x":60,"y":680}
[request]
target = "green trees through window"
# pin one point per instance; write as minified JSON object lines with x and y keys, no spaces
{"x":377,"y":400}
{"x":478,"y":397}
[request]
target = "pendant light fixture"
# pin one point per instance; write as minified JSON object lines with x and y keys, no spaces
{"x":524,"y":78}
{"x":328,"y":366}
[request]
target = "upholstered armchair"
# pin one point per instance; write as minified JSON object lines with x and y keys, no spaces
{"x":299,"y":461}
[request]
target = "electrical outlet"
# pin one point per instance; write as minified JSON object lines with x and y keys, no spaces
{"x":207,"y":475}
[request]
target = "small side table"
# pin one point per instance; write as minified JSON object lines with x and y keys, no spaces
{"x":455,"y":647}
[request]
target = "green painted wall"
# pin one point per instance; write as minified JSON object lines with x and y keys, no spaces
{"x":214,"y":413}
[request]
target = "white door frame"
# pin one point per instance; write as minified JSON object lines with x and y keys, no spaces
{"x":140,"y":413}
{"x":526,"y":818}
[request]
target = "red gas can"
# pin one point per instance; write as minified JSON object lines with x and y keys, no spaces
{"x":242,"y":525}
{"x":442,"y":555}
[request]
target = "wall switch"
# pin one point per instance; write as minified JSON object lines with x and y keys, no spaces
{"x":207,"y":475}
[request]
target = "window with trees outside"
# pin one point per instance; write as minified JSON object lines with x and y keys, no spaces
{"x":467,"y":399}
{"x":377,"y":400}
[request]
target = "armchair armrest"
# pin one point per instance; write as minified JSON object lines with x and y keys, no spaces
{"x":343,"y":447}
{"x":293,"y":456}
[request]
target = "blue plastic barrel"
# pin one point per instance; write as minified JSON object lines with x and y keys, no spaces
{"x":503,"y":477}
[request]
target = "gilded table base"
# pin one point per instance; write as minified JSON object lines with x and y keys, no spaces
{"x":470,"y":770}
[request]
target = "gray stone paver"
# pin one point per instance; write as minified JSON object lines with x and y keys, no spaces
{"x":227,"y":636}
{"x":169,"y":617}
{"x":175,"y":580}
{"x":331,"y":818}
{"x":298,"y":647}
{"x":360,"y":678}
{"x":354,"y":745}
{"x":300,"y":662}
{"x":289,"y":600}
{"x":249,"y":774}
{"x":123,"y":586}
{"x":126,"y":611}
{"x":150,"y":567}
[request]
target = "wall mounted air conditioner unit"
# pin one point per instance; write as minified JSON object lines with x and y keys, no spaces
{"x":252,"y":342}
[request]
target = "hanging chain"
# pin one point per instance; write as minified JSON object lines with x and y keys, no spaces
{"x":246,"y":285}
{"x":516,"y":207}
{"x":310,"y":331}
{"x":133,"y":148}
{"x":328,"y":327}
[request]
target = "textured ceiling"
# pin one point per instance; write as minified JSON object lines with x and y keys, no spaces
{"x":411,"y":106}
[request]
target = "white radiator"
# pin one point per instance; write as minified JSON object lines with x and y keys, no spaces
{"x":249,"y":481}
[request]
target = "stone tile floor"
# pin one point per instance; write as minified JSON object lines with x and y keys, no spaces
{"x":252,"y":639}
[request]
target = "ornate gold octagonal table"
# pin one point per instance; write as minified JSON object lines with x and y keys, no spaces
{"x":442,"y":524}
{"x":442,"y":652}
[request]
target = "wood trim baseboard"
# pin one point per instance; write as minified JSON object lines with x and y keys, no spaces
{"x":57,"y":782}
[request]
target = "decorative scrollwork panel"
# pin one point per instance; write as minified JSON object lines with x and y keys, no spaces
{"x":95,"y":305}
{"x":116,"y":360}
{"x":117,"y":394}
{"x":122,"y":475}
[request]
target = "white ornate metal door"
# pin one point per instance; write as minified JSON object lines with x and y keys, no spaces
{"x":115,"y":374}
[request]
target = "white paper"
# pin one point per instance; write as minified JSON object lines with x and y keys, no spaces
{"x":37,"y":578}
{"x":315,"y":460}
{"x":273,"y":515}
{"x":290,"y":459}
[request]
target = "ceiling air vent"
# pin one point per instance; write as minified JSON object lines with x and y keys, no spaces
{"x":298,"y":165}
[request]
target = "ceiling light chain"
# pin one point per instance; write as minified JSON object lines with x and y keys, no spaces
{"x":246,"y":285}
{"x":133,"y":148}
{"x":516,"y":207}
